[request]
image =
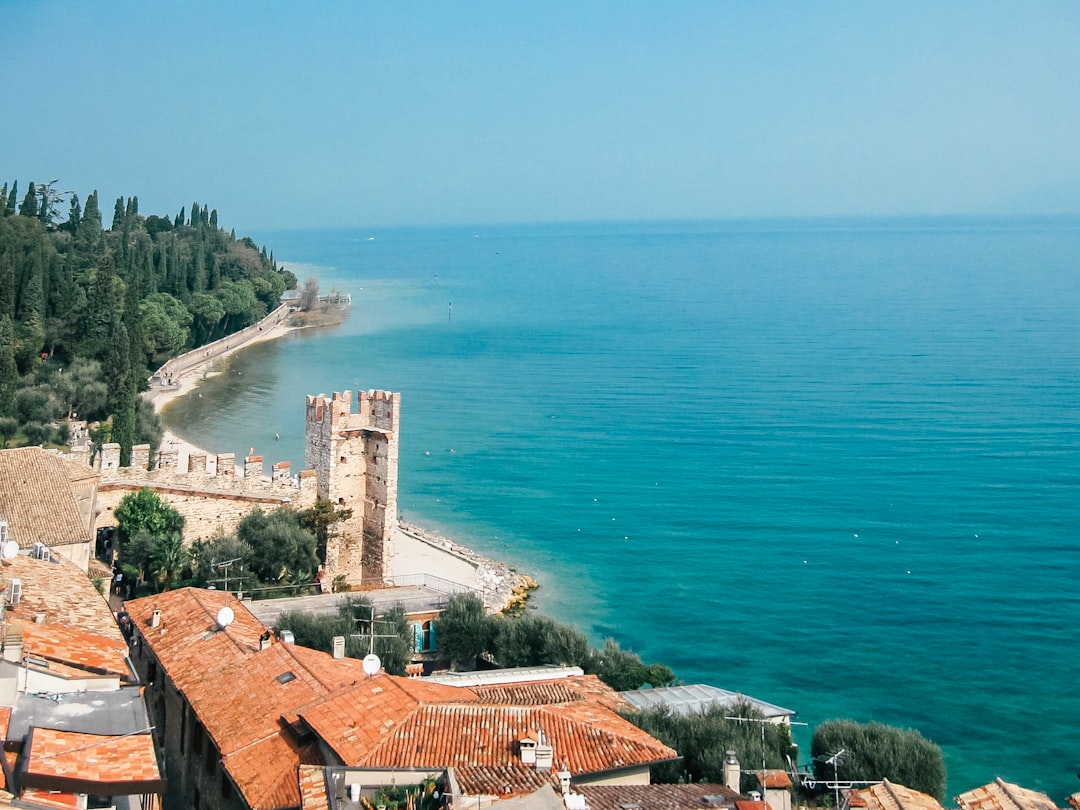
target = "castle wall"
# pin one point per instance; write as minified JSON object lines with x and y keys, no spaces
{"x":352,"y":461}
{"x":208,"y":503}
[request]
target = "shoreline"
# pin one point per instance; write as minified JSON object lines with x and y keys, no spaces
{"x":512,"y":589}
{"x":194,"y":367}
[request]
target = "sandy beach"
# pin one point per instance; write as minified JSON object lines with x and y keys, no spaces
{"x":198,"y":365}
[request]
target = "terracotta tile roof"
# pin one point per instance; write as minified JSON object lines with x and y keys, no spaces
{"x":773,"y":779}
{"x":61,"y":591}
{"x":379,"y":724}
{"x":256,"y":704}
{"x":562,"y":690}
{"x":82,"y":652}
{"x":656,"y":797}
{"x":37,"y":500}
{"x":313,"y":788}
{"x":91,"y":763}
{"x":890,"y":796}
{"x":1002,"y":795}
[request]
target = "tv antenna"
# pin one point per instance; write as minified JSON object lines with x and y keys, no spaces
{"x":224,"y":566}
{"x":372,"y":663}
{"x":762,"y":722}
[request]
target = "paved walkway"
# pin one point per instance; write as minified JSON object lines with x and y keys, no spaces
{"x":415,"y":599}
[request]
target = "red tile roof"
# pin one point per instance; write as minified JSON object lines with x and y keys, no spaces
{"x":656,"y":797}
{"x":63,"y":593}
{"x":83,"y":653}
{"x":562,"y":690}
{"x":387,"y":722}
{"x":91,"y":763}
{"x":313,"y":791}
{"x":255,"y":704}
{"x":1002,"y":795}
{"x":773,"y":779}
{"x":890,"y":796}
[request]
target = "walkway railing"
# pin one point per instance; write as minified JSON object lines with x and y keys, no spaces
{"x":178,"y":366}
{"x":433,"y":582}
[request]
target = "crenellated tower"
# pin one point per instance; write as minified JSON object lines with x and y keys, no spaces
{"x":355,"y":458}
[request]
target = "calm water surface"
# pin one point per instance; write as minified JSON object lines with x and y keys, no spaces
{"x":832,"y":464}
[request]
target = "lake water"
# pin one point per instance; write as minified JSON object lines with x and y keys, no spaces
{"x":832,"y":464}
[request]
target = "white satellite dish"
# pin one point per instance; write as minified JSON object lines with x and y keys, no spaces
{"x":371,"y":663}
{"x":9,"y":549}
{"x":225,"y":617}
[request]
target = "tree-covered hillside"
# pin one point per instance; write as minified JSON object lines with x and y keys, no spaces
{"x":87,"y":312}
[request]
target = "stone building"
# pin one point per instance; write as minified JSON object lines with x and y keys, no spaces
{"x":355,"y":459}
{"x":351,"y":459}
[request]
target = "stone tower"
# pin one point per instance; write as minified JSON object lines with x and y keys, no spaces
{"x":355,"y":458}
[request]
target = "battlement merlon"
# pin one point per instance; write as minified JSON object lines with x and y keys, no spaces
{"x":376,"y":409}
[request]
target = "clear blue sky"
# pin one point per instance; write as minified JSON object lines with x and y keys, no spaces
{"x":282,"y":114}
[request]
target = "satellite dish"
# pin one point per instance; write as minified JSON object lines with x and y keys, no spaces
{"x":9,"y":549}
{"x":225,"y":617}
{"x":371,"y":663}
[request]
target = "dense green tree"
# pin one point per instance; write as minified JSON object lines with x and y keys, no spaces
{"x":623,"y":670}
{"x":465,"y":631}
{"x":283,"y":551}
{"x":9,"y":425}
{"x":320,"y":519}
{"x":146,"y":511}
{"x":29,"y":207}
{"x":874,"y":751}
{"x":9,"y":372}
{"x":702,"y":739}
{"x":533,"y":639}
{"x":389,"y":636}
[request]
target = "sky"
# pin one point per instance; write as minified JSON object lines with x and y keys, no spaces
{"x":364,"y":114}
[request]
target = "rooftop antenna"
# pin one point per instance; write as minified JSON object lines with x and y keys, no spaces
{"x":224,"y":565}
{"x":835,"y":761}
{"x":372,"y":663}
{"x":762,"y":722}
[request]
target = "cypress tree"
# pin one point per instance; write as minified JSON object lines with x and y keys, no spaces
{"x":3,"y":201}
{"x":29,"y":207}
{"x":10,"y":209}
{"x":121,"y":391}
{"x":179,"y":218}
{"x":118,"y":214}
{"x":213,"y":219}
{"x":9,"y":373}
{"x":74,"y":216}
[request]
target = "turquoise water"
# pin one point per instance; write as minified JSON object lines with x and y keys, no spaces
{"x":832,"y":464}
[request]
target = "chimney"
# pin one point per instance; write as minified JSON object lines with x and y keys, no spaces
{"x":564,"y":780}
{"x":732,"y":772}
{"x":527,"y":748}
{"x":545,"y":754}
{"x":339,"y":646}
{"x":155,"y":618}
{"x":265,"y":640}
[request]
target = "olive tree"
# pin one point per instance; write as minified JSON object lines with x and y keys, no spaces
{"x":875,"y":751}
